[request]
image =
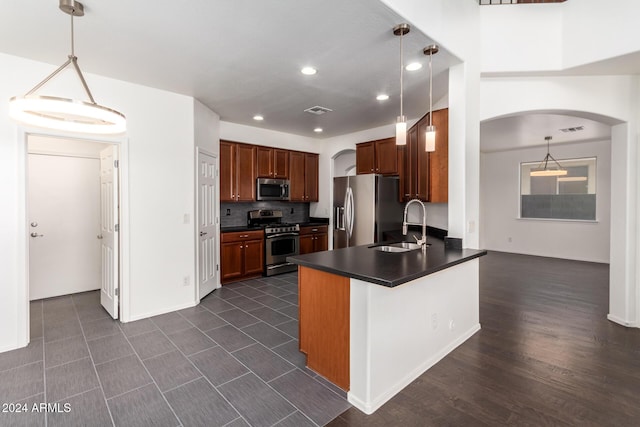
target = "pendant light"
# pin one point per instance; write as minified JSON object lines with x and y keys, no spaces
{"x":543,"y":168}
{"x":401,"y":123}
{"x":430,"y":134}
{"x":66,"y":114}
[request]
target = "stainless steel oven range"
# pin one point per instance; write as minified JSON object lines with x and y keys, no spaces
{"x":281,"y":240}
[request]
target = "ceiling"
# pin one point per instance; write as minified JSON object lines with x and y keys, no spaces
{"x":243,"y":57}
{"x":526,"y":130}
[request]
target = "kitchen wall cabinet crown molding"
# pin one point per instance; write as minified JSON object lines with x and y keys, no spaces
{"x":241,"y":255}
{"x":379,"y":156}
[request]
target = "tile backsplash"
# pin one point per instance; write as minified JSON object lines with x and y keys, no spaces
{"x":238,"y":212}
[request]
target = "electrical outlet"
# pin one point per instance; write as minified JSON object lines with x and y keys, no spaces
{"x":228,"y":212}
{"x":509,"y":239}
{"x":291,"y":210}
{"x":452,"y":325}
{"x":185,"y":281}
{"x":186,"y":219}
{"x":434,"y":321}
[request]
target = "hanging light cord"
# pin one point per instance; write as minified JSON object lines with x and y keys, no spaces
{"x":547,"y":157}
{"x":430,"y":88}
{"x":72,"y":60}
{"x":401,"y":75}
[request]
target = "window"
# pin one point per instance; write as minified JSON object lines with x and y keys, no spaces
{"x":572,"y":196}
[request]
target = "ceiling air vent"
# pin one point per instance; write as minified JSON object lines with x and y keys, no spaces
{"x":318,"y":110}
{"x":575,"y":129}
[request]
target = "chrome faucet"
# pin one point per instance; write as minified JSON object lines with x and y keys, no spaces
{"x":422,"y":242}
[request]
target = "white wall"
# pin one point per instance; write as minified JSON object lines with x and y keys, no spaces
{"x":160,"y":141}
{"x":500,"y":190}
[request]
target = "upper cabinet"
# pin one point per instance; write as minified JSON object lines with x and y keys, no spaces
{"x":377,"y":157}
{"x":303,"y":174}
{"x":237,"y":172}
{"x":272,"y":162}
{"x":424,"y":175}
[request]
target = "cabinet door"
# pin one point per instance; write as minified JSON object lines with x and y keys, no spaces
{"x":253,"y":257}
{"x":306,"y":244}
{"x":386,"y":156}
{"x":410,"y":164}
{"x":311,"y":177}
{"x":246,"y":175}
{"x":296,"y":176}
{"x":231,"y":261}
{"x":227,"y":171}
{"x":321,"y":242}
{"x":365,"y":158}
{"x":439,"y":159}
{"x":422,"y":164}
{"x":264,"y":162}
{"x":281,"y":163}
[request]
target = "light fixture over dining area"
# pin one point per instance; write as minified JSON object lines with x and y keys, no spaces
{"x":65,"y":114}
{"x":544,"y":169}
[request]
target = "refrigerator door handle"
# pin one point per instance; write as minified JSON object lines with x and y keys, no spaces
{"x":346,"y":211}
{"x":351,"y":211}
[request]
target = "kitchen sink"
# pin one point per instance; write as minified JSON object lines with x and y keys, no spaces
{"x":397,"y":247}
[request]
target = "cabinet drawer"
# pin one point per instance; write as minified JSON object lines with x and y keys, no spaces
{"x":239,"y":236}
{"x":313,"y":229}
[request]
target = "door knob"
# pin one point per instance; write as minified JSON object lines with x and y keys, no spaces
{"x":99,"y":236}
{"x":34,"y":224}
{"x":202,"y":233}
{"x":34,"y":234}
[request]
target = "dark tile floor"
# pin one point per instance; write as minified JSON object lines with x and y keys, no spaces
{"x":231,"y":361}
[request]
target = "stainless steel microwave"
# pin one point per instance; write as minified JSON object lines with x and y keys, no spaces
{"x":272,"y":189}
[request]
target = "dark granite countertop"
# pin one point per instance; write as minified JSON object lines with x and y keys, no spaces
{"x":386,"y":268}
{"x":239,"y":228}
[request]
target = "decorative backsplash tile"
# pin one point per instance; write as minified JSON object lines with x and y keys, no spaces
{"x":291,"y":212}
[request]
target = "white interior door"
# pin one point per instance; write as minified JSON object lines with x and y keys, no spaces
{"x":109,"y":229}
{"x":64,"y":217}
{"x":207,"y":247}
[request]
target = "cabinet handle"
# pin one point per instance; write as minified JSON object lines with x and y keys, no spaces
{"x":314,"y":229}
{"x":371,"y":169}
{"x":241,"y":246}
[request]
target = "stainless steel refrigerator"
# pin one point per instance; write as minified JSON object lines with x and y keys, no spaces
{"x":364,"y":207}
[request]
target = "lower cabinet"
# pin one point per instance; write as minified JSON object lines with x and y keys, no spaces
{"x":313,"y":239}
{"x":241,"y":255}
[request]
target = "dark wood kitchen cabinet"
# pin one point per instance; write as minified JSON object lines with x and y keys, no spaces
{"x":303,"y":174}
{"x":424,"y":175}
{"x":313,"y":239}
{"x":237,"y":172}
{"x":241,"y":255}
{"x":380,"y":156}
{"x":272,"y":162}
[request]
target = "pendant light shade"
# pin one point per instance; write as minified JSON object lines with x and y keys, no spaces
{"x":52,"y":112}
{"x":430,"y":134}
{"x":401,"y":123}
{"x":544,"y":169}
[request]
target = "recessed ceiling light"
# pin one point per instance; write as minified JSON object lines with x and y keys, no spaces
{"x":317,"y":130}
{"x":309,"y":71}
{"x":258,"y":117}
{"x":382,"y":97}
{"x":413,"y":66}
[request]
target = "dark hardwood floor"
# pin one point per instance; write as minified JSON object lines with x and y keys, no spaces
{"x":546,"y":356}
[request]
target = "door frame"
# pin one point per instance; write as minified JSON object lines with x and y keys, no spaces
{"x":196,"y":219}
{"x":22,"y":256}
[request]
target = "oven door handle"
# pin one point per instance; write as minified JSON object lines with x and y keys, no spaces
{"x":282,"y":235}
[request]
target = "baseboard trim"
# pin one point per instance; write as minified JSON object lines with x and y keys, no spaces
{"x":621,"y":321}
{"x":157,"y":313}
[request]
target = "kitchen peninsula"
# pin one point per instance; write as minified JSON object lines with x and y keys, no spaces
{"x":372,"y":321}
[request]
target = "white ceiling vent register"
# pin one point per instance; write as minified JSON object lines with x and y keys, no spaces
{"x":318,"y":110}
{"x":574,"y":129}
